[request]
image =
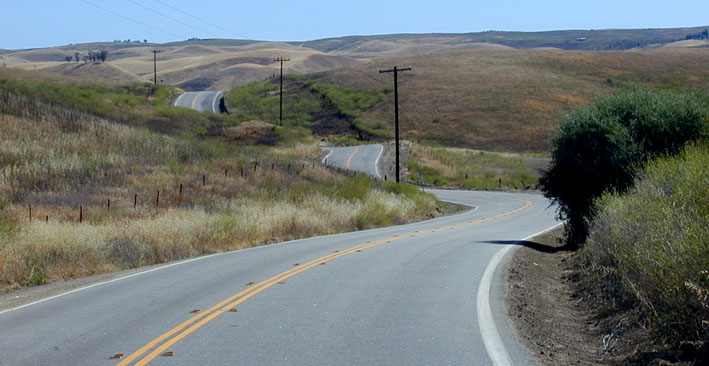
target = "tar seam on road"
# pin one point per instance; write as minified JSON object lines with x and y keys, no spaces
{"x":163,"y":342}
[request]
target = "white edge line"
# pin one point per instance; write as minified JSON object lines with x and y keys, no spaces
{"x":110,"y":281}
{"x":178,"y":99}
{"x":376,"y":162}
{"x":326,"y":156}
{"x":214,"y":103}
{"x":491,"y":337}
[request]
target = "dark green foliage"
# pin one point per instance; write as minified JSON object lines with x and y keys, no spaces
{"x":598,"y":147}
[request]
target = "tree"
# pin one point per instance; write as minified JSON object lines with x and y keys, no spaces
{"x":77,"y":56}
{"x":599,"y":147}
{"x":68,"y":58}
{"x":102,"y":55}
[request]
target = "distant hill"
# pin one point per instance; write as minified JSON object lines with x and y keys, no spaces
{"x":587,"y":40}
{"x":200,"y":64}
{"x":511,"y":100}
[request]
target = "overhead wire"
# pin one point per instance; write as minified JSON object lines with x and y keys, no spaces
{"x":201,"y":20}
{"x":173,"y":19}
{"x":131,"y":19}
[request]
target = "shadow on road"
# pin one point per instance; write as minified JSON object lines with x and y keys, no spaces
{"x":529,"y":244}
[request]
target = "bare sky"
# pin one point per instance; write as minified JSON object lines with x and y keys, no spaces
{"x":44,"y":23}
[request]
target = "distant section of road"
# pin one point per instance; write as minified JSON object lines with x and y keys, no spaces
{"x":363,"y":158}
{"x":201,"y":101}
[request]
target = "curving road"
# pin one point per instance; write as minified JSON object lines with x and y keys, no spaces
{"x":417,"y":294}
{"x":363,"y":158}
{"x":201,"y":101}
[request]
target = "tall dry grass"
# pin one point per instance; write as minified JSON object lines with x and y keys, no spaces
{"x":56,"y":160}
{"x":474,"y":169}
{"x":648,"y":250}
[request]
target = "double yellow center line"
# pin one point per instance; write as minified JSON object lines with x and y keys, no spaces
{"x":165,"y":341}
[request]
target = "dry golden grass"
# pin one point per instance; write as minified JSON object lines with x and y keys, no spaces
{"x":474,"y":169}
{"x":512,"y":100}
{"x":58,"y":165}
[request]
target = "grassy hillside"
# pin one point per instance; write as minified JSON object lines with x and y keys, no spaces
{"x":81,"y":194}
{"x":595,"y":40}
{"x":139,"y":104}
{"x":510,"y":100}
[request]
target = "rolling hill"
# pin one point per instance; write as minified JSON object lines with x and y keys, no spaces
{"x":222,"y":63}
{"x":488,"y":90}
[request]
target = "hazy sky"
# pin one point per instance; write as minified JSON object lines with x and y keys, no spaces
{"x":42,"y":23}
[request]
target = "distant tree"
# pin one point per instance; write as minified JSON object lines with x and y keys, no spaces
{"x":102,"y":55}
{"x":146,"y":41}
{"x":68,"y":58}
{"x":77,"y":56}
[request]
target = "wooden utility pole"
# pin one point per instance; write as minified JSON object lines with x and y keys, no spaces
{"x":396,"y":71}
{"x":280,"y":115}
{"x":155,"y":65}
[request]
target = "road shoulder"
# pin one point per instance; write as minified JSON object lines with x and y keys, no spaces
{"x":544,"y":305}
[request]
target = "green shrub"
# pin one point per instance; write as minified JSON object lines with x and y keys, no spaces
{"x":650,"y":247}
{"x":599,"y":146}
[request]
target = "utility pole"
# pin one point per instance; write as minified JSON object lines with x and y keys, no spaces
{"x":155,"y":65}
{"x":280,"y":115}
{"x":396,"y":71}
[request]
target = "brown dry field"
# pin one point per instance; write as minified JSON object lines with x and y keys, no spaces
{"x":477,"y":95}
{"x":512,"y":100}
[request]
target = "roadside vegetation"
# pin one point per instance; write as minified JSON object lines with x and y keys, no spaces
{"x":105,"y":195}
{"x":629,"y":173}
{"x":648,"y":253}
{"x":471,"y":169}
{"x":599,"y":147}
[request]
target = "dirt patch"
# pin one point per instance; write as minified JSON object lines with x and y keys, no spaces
{"x":551,"y":319}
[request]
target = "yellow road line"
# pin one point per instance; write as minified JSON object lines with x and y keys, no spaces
{"x":349,"y":161}
{"x":199,"y":320}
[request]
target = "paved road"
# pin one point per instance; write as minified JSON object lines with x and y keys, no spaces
{"x":406,"y":295}
{"x":200,"y":101}
{"x":363,"y":158}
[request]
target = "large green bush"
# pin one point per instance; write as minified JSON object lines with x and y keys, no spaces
{"x":649,"y":249}
{"x":599,"y":146}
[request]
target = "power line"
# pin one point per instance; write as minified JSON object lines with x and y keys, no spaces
{"x":173,"y":19}
{"x":202,"y":20}
{"x":132,"y":20}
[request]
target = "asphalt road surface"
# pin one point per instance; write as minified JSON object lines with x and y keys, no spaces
{"x":418,"y":294}
{"x":363,"y":158}
{"x":200,"y":101}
